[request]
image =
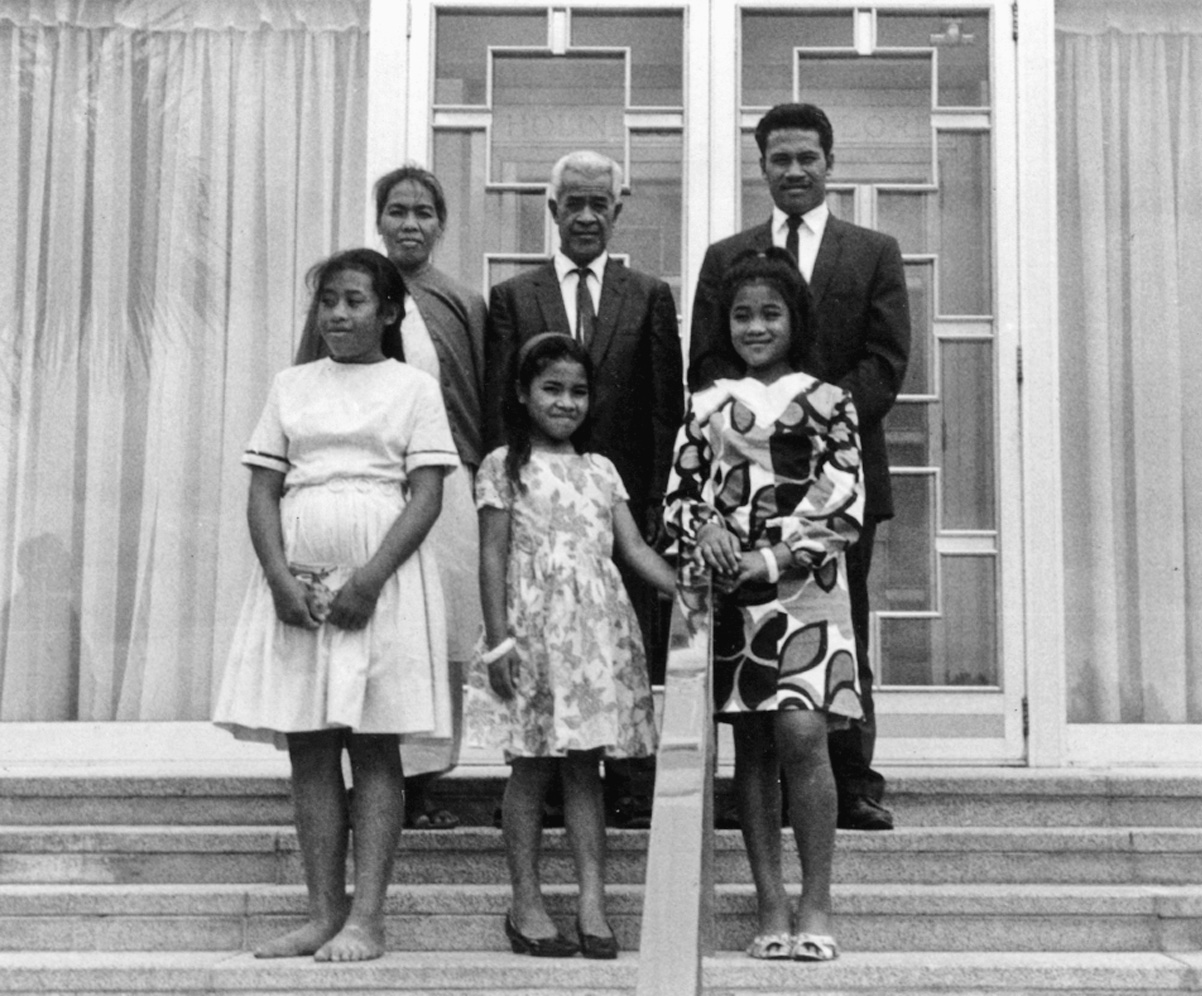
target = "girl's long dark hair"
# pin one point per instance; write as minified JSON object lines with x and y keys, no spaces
{"x":531,"y":360}
{"x":386,"y":283}
{"x":776,"y":268}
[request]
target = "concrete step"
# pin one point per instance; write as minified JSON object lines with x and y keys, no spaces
{"x":971,"y":917}
{"x":926,"y":855}
{"x":124,"y":800}
{"x":998,"y":797}
{"x":179,"y":973}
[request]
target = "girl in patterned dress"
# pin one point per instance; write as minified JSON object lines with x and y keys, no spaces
{"x":565,"y":680}
{"x":766,"y":491}
{"x":336,"y":644}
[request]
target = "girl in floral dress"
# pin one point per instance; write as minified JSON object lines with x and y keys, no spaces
{"x":565,"y":679}
{"x":766,"y":491}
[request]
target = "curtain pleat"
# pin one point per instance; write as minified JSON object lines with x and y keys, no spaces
{"x":1130,"y":108}
{"x":179,"y":168}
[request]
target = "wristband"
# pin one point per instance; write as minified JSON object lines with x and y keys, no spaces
{"x":499,"y":651}
{"x":771,"y":564}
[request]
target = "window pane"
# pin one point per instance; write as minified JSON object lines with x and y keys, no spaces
{"x":965,"y":234}
{"x":649,"y":229}
{"x":462,"y":41}
{"x":967,"y":421}
{"x":959,"y":646}
{"x":459,"y":164}
{"x":842,"y":203}
{"x":962,"y":40}
{"x":904,"y":656}
{"x":920,"y":279}
{"x":546,"y":106}
{"x":768,"y":43}
{"x":966,"y":635}
{"x":880,"y":110}
{"x":756,"y":202}
{"x":905,"y":216}
{"x":908,"y":434}
{"x":902,"y":578}
{"x":656,"y":41}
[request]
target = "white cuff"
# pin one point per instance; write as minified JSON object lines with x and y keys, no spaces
{"x":499,"y":651}
{"x":771,"y":564}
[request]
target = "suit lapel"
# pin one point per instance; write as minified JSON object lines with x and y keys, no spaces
{"x":826,"y":262}
{"x":550,"y":302}
{"x":613,"y":294}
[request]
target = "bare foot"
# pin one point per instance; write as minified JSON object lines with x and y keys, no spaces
{"x":306,"y":940}
{"x":355,"y":942}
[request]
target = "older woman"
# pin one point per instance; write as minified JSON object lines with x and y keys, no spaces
{"x":443,"y":334}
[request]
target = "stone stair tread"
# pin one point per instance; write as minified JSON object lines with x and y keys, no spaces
{"x":52,"y":838}
{"x":984,"y":797}
{"x":252,"y":898}
{"x":957,"y":972}
{"x":100,"y":780}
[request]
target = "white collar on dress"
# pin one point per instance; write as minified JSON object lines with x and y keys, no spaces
{"x":766,"y":401}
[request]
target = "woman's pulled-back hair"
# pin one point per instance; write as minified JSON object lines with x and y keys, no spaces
{"x":386,"y":283}
{"x":532,"y":359}
{"x":415,"y":174}
{"x":776,"y":268}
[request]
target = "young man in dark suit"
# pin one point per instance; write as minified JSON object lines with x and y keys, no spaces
{"x":859,"y":339}
{"x":627,"y":322}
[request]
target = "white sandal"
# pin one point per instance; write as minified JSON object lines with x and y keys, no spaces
{"x":813,"y":947}
{"x":772,"y":947}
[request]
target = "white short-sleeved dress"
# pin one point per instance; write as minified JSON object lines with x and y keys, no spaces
{"x":346,"y":436}
{"x":583,"y":680}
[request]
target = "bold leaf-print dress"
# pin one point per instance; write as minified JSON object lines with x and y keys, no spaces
{"x":772,"y":464}
{"x":583,"y":676}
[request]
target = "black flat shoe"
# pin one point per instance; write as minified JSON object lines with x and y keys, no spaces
{"x":592,"y":946}
{"x":539,"y":947}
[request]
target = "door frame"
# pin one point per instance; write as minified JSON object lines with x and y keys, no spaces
{"x":918,"y":725}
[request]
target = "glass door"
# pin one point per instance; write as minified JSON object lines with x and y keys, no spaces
{"x":921,"y":101}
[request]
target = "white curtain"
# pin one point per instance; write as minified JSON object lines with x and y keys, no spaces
{"x":171,"y":169}
{"x":1130,"y":191}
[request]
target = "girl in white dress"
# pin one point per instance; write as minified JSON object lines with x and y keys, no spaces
{"x":565,"y":679}
{"x":337,"y":641}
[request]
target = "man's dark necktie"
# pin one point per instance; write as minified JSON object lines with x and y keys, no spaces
{"x":586,"y":317}
{"x":794,"y":223}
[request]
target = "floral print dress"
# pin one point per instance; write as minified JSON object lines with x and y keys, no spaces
{"x":776,"y":464}
{"x":583,"y":678}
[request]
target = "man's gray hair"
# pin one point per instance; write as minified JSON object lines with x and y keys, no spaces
{"x":590,"y":164}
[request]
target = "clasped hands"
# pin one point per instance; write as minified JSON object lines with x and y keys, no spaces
{"x":352,"y":605}
{"x":720,"y":551}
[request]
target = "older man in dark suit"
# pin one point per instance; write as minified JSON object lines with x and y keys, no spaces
{"x":627,"y":322}
{"x":859,"y":339}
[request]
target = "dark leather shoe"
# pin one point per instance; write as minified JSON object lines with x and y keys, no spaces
{"x":727,"y":818}
{"x":864,"y":814}
{"x":540,"y":947}
{"x":630,"y":813}
{"x":592,"y":946}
